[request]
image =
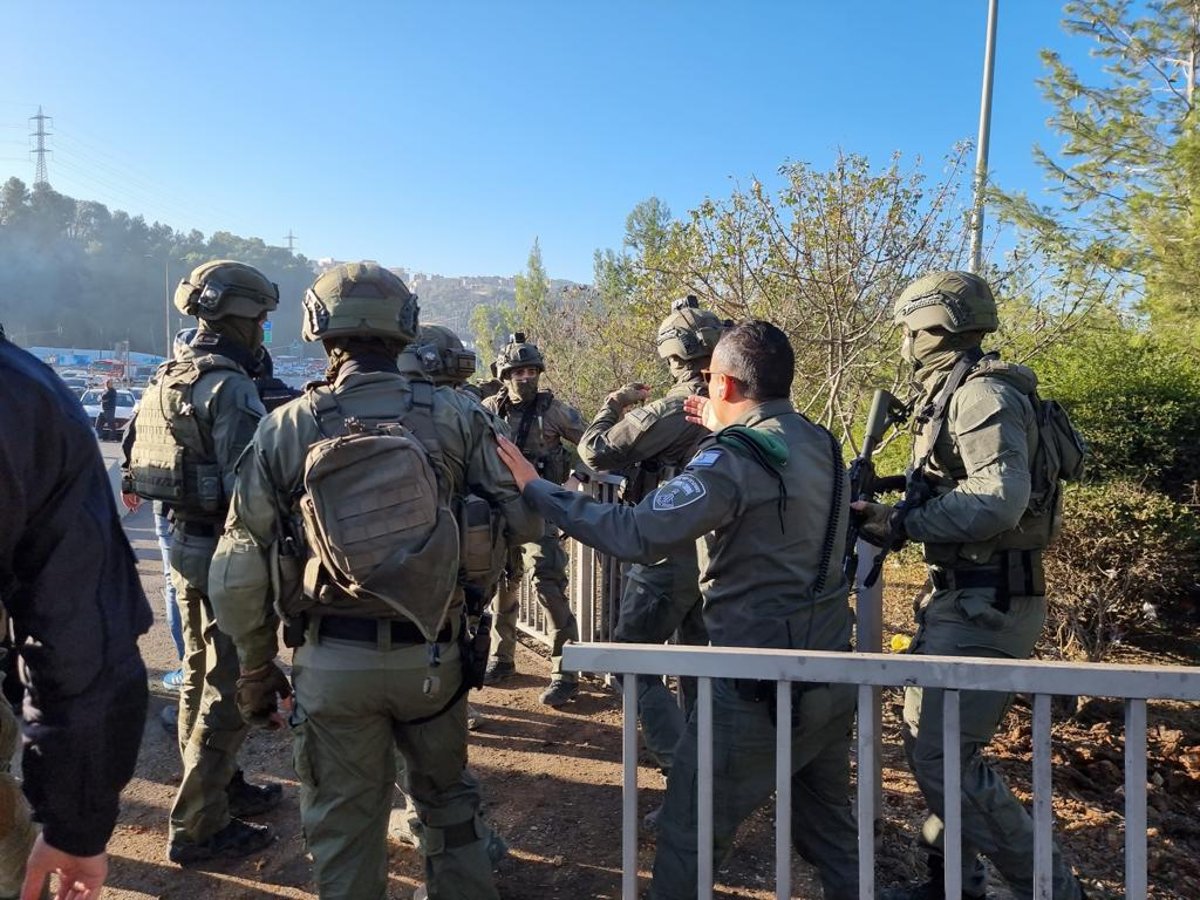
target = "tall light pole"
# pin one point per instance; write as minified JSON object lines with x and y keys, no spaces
{"x":981,"y":149}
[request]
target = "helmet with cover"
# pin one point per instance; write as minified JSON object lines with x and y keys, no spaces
{"x":360,"y":300}
{"x":517,"y":354}
{"x":956,"y":302}
{"x":442,"y":355}
{"x":689,"y":332}
{"x":224,"y":288}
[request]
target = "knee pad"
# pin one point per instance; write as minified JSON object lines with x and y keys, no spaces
{"x":440,"y":839}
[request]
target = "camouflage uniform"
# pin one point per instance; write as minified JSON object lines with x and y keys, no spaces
{"x":356,"y":691}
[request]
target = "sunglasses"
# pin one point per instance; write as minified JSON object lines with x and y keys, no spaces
{"x":707,"y":375}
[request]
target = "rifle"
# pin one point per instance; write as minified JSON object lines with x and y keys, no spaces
{"x":885,"y":412}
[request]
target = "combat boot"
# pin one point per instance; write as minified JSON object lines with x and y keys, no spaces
{"x":236,"y":839}
{"x":560,"y":693}
{"x":933,"y":889}
{"x":246,"y":799}
{"x":498,"y":670}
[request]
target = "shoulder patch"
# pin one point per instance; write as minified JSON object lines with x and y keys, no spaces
{"x":641,"y":416}
{"x":705,"y":458}
{"x":679,"y":492}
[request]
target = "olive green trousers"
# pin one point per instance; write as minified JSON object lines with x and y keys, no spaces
{"x":211,"y":730}
{"x":969,"y":622}
{"x":353,"y":703}
{"x":548,"y":560}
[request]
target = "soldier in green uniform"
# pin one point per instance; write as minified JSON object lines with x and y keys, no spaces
{"x":380,"y":670}
{"x":769,"y":495}
{"x":646,"y":443}
{"x":439,"y":355}
{"x":539,"y":423}
{"x":196,"y":417}
{"x":983,"y":547}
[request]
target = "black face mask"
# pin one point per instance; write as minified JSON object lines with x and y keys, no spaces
{"x":521,"y":391}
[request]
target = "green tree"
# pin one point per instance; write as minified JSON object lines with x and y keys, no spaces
{"x":1124,"y":177}
{"x":533,"y":294}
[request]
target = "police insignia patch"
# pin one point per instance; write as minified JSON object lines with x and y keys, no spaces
{"x":679,"y":492}
{"x":705,"y":458}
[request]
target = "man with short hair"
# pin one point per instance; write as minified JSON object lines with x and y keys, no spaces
{"x":539,"y":423}
{"x":106,"y":422}
{"x":69,"y":582}
{"x":769,"y":495}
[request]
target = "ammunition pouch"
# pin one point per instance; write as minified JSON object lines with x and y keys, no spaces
{"x":480,"y":541}
{"x":552,"y":465}
{"x":286,"y":564}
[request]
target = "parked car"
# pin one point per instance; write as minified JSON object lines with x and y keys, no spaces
{"x":77,"y":384}
{"x":125,"y":407}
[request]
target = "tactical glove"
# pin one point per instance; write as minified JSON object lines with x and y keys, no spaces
{"x":632,"y":393}
{"x":258,"y":693}
{"x":881,"y":525}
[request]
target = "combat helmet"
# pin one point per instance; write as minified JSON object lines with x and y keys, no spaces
{"x":517,"y":354}
{"x":689,"y":332}
{"x":224,"y":288}
{"x":955,"y":301}
{"x":442,"y":355}
{"x":360,"y":300}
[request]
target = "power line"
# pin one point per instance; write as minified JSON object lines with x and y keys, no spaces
{"x":291,"y":239}
{"x":41,"y":134}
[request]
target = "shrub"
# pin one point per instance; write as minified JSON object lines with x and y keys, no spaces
{"x":1137,"y":401}
{"x":1128,"y":558}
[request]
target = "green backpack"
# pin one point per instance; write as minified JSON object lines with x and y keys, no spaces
{"x":381,"y":535}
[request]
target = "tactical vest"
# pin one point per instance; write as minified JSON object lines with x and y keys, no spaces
{"x":172,"y":459}
{"x":1055,"y":451}
{"x":525,"y":423}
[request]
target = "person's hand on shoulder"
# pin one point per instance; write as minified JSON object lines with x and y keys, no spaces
{"x":523,"y":470}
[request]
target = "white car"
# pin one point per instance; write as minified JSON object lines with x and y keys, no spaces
{"x":125,"y":407}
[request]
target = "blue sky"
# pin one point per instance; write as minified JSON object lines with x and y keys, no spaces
{"x":446,"y":136}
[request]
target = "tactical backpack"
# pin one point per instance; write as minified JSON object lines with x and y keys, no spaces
{"x":172,"y":459}
{"x":383,"y":540}
{"x":1058,"y":455}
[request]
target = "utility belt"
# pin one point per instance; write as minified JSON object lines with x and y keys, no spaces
{"x":1016,"y":573}
{"x":381,"y":633}
{"x":198,"y":529}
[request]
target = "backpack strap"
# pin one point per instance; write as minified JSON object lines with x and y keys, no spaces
{"x":933,"y":416}
{"x":419,"y":419}
{"x":327,"y":411}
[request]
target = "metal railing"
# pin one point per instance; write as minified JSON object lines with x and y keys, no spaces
{"x":1134,"y":684}
{"x":593,"y":581}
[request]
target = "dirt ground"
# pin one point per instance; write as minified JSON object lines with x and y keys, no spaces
{"x":552,"y":787}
